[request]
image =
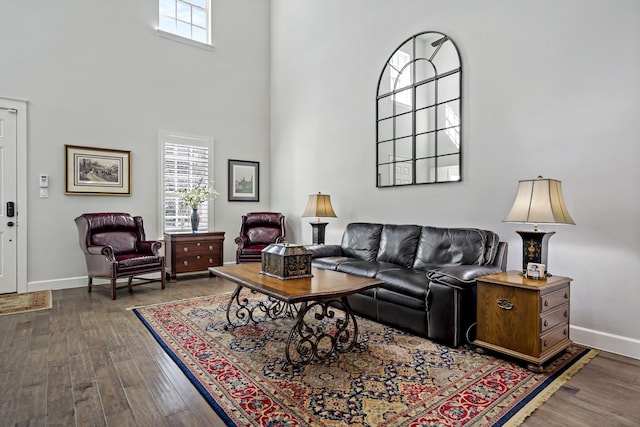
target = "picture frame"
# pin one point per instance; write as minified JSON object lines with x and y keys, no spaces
{"x":244,"y":181}
{"x":97,"y":171}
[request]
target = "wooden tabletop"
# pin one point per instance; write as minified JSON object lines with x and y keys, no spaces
{"x":517,"y":279}
{"x":322,"y":285}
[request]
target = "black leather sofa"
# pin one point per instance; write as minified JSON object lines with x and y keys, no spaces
{"x":428,"y":274}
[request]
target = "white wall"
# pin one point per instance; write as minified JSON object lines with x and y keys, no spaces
{"x":550,"y":88}
{"x":96,"y":73}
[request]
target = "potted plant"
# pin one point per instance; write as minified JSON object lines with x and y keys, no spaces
{"x":194,"y":197}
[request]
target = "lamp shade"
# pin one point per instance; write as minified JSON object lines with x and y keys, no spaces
{"x":319,"y":205}
{"x":539,"y":201}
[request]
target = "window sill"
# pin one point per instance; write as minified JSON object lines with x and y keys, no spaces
{"x":184,"y":40}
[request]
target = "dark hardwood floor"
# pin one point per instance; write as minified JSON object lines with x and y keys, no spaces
{"x":89,"y":361}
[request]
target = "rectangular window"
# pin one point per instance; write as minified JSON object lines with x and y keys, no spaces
{"x":189,"y":19}
{"x":185,"y":161}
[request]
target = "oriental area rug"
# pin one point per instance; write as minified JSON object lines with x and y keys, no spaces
{"x":25,"y":302}
{"x":391,"y":378}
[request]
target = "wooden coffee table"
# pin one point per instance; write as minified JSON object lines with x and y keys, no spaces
{"x":319,"y":330}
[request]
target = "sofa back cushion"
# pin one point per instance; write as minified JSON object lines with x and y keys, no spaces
{"x":361,"y":240}
{"x":450,"y":246}
{"x":398,"y":244}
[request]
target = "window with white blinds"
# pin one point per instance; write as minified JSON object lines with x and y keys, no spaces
{"x":186,"y":161}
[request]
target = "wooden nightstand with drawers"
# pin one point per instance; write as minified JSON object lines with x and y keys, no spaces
{"x":524,"y":318}
{"x":191,"y":252}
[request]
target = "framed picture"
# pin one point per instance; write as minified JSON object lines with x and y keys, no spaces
{"x":244,"y":181}
{"x":97,"y":171}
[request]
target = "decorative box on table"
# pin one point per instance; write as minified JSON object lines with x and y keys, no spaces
{"x":286,"y":261}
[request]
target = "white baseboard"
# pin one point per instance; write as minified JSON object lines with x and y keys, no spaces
{"x":74,"y":282}
{"x":56,"y":284}
{"x":624,"y":346}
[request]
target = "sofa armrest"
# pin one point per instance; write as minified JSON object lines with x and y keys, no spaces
{"x":319,"y":251}
{"x":500,"y":259}
{"x":460,"y":276}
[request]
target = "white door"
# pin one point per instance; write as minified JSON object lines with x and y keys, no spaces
{"x":8,"y":193}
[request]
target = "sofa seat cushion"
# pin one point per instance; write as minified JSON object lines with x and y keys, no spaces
{"x":365,"y":268}
{"x":412,"y":283}
{"x":330,"y":262}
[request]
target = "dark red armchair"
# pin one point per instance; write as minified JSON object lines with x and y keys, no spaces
{"x":258,"y":230}
{"x":115,"y":246}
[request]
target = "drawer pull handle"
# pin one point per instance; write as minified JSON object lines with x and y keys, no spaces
{"x":210,"y":260}
{"x":566,"y":314}
{"x":198,"y":257}
{"x":186,"y":249}
{"x":545,"y":343}
{"x":210,"y":247}
{"x":505,"y":304}
{"x":546,"y":323}
{"x":546,"y":303}
{"x":186,"y":262}
{"x":198,"y":243}
{"x":566,"y":295}
{"x":564,"y":332}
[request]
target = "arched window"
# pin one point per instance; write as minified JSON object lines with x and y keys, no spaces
{"x":418,"y":113}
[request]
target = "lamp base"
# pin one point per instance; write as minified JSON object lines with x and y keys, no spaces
{"x":318,"y":232}
{"x":535,"y":247}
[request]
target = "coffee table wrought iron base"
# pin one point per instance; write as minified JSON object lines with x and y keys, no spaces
{"x":255,"y":311}
{"x":322,"y":329}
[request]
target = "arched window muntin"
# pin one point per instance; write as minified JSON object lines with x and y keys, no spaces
{"x":418,"y":113}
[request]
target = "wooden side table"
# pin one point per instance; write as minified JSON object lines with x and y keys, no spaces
{"x":191,"y":252}
{"x":524,"y":318}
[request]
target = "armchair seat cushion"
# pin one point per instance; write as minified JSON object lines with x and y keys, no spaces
{"x":131,"y":260}
{"x":254,"y":249}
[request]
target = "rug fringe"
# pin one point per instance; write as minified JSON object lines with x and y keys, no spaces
{"x":542,"y":397}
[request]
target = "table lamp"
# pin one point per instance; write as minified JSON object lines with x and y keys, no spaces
{"x":538,"y":201}
{"x":319,"y":205}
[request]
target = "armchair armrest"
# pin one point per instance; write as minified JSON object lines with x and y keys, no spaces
{"x":102,"y":250}
{"x":241,"y":241}
{"x":149,"y":247}
{"x":318,"y":251}
{"x":460,"y":276}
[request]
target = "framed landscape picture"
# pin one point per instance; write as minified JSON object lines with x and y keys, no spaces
{"x":97,"y":171}
{"x":244,"y":181}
